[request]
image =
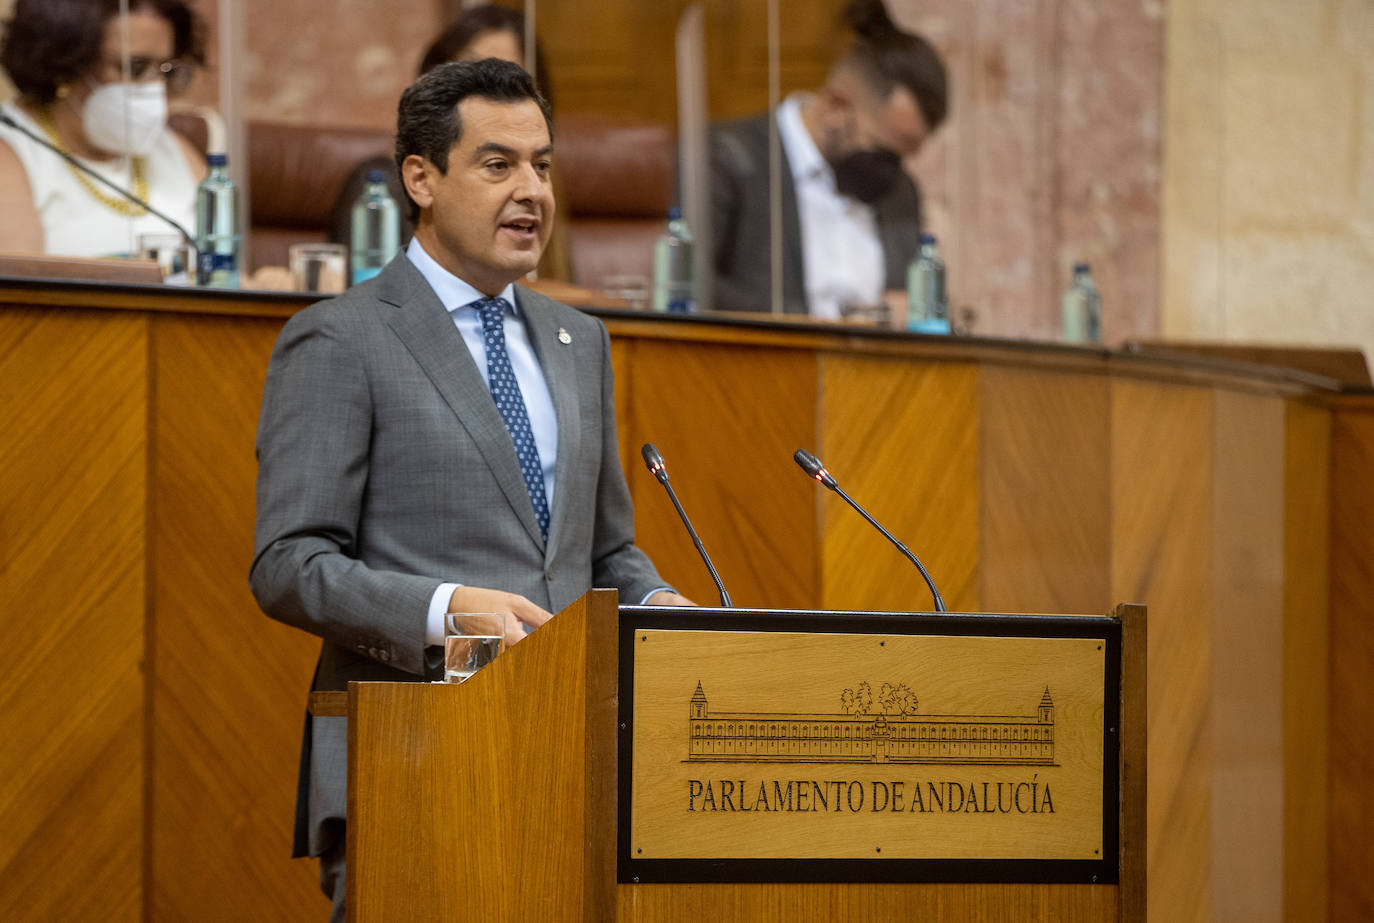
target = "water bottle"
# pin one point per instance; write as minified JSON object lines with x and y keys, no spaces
{"x":673,"y":288}
{"x":217,"y":226}
{"x":1082,"y":308}
{"x":927,"y":309}
{"x":374,"y":228}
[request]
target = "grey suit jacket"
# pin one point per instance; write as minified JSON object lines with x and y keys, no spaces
{"x":385,"y":469}
{"x":740,"y":223}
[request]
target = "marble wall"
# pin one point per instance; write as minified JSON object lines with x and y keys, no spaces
{"x":323,"y":62}
{"x":1268,"y":219}
{"x":1050,"y":157}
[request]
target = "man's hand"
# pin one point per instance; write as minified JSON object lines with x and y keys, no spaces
{"x":664,"y":598}
{"x":514,"y":607}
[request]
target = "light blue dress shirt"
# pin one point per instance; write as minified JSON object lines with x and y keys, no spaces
{"x":457,"y":297}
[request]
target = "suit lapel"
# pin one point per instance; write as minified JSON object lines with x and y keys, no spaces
{"x":560,"y":372}
{"x":427,"y":331}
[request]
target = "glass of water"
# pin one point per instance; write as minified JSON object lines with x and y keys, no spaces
{"x":471,"y":641}
{"x":320,"y":268}
{"x":173,"y":255}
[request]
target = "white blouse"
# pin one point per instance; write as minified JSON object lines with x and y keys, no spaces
{"x":74,"y":222}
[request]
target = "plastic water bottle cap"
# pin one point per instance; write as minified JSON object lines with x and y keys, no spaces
{"x":1080,"y":267}
{"x":217,"y":160}
{"x":927,"y":239}
{"x":675,"y":213}
{"x":376,"y":176}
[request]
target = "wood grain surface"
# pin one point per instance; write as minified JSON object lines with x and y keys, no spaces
{"x":466,"y":801}
{"x":1306,"y":660}
{"x":1133,"y":894}
{"x":1247,"y":793}
{"x":158,"y":782}
{"x":1044,"y":494}
{"x":727,"y":420}
{"x":863,"y":903}
{"x":1350,"y":811}
{"x":902,"y":440}
{"x":228,"y":701}
{"x":73,"y":540}
{"x":1161,"y":470}
{"x":619,"y":56}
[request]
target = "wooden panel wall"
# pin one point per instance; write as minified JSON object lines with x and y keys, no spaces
{"x":727,"y":420}
{"x":228,"y":702}
{"x":1306,"y":655}
{"x":1247,"y":657}
{"x":618,"y":56}
{"x":1046,"y":532}
{"x":154,"y":775}
{"x":815,"y":903}
{"x":901,"y":439}
{"x":1351,"y":805}
{"x":72,"y":540}
{"x":1161,"y":474}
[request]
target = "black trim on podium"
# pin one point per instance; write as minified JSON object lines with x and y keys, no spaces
{"x":630,"y":870}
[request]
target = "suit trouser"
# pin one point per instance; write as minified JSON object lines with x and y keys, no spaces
{"x":332,"y":879}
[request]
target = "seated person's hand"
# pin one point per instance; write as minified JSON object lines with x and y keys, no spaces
{"x":270,"y":279}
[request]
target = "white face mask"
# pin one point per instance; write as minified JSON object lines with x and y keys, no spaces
{"x":126,"y":118}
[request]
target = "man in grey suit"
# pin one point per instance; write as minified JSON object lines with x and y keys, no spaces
{"x":851,"y":216}
{"x":438,"y":439}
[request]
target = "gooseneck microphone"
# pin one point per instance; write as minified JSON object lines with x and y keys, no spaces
{"x":659,"y":468}
{"x":122,"y":192}
{"x":812,"y":466}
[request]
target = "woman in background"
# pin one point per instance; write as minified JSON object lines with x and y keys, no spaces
{"x":105,"y":103}
{"x":488,"y":31}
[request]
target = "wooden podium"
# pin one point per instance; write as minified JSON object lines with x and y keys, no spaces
{"x":581,"y":777}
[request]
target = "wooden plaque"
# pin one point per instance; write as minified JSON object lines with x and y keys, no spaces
{"x":794,"y":746}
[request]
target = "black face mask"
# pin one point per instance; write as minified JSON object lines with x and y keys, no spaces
{"x":867,"y":175}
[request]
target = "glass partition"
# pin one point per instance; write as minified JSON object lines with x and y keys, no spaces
{"x":1049,"y":156}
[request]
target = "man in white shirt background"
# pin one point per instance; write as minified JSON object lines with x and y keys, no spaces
{"x":851,"y":216}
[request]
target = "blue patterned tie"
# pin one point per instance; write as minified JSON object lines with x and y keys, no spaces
{"x":505,"y":391}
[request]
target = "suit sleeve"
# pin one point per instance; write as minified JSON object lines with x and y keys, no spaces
{"x":616,"y":560}
{"x":730,"y":167}
{"x":313,"y":461}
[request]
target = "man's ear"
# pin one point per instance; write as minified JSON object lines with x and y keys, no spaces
{"x":419,"y":175}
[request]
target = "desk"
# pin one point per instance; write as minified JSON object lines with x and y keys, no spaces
{"x":151,"y":714}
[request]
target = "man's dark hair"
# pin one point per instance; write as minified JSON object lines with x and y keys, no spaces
{"x":888,"y":57}
{"x":476,"y":21}
{"x":427,"y":121}
{"x":50,"y":43}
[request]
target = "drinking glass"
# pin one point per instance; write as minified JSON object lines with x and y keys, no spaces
{"x":321,"y":268}
{"x":631,"y":288}
{"x":173,"y":255}
{"x":471,"y":641}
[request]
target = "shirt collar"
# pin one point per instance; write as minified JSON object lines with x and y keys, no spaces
{"x":453,"y":292}
{"x":802,"y":154}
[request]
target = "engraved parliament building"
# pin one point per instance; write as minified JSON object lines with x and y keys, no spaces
{"x":753,"y":737}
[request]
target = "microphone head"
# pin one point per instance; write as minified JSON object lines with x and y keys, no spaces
{"x":813,"y":467}
{"x":654,"y":462}
{"x":809,"y":463}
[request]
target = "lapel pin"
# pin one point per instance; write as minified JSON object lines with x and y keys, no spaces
{"x":564,"y":336}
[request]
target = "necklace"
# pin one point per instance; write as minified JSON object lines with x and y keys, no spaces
{"x":140,"y":180}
